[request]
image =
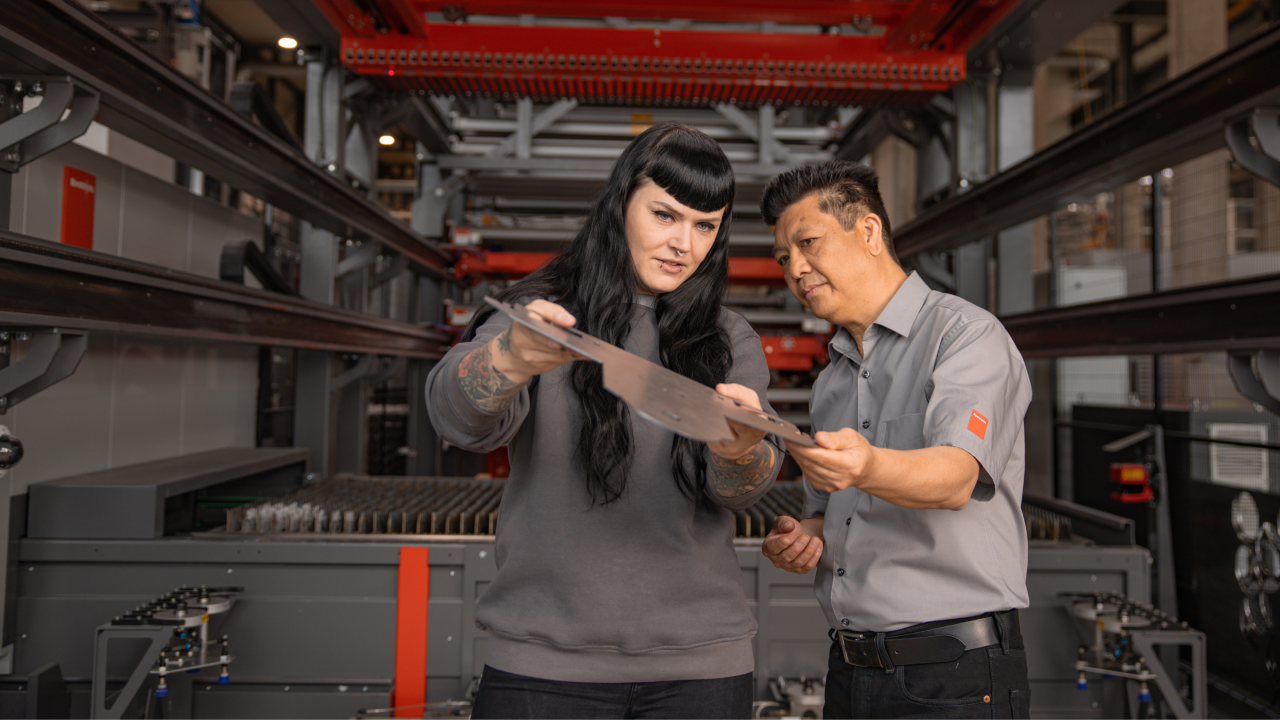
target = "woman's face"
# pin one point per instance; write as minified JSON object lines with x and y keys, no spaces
{"x":668,"y":240}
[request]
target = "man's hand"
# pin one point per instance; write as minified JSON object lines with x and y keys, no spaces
{"x":842,"y":459}
{"x":792,"y":546}
{"x":745,"y":437}
{"x":520,"y":353}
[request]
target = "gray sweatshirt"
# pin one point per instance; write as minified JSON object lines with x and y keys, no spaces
{"x":644,"y":589}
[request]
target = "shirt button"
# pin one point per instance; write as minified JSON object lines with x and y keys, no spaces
{"x":866,"y":374}
{"x":866,"y":424}
{"x":840,"y":572}
{"x":845,"y":622}
{"x":848,"y":520}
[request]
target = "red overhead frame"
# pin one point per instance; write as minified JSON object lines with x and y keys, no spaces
{"x":921,"y":51}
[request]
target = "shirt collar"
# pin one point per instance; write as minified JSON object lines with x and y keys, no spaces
{"x":903,"y":309}
{"x":645,"y":300}
{"x":899,"y":315}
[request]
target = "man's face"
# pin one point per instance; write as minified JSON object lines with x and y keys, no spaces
{"x":825,"y":265}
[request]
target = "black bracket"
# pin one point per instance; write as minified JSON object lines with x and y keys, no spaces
{"x":54,"y":356}
{"x":1257,"y":377}
{"x":252,"y":100}
{"x":26,"y":136}
{"x":245,"y":255}
{"x":1263,"y":160}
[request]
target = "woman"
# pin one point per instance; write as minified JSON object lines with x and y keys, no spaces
{"x":618,"y":591}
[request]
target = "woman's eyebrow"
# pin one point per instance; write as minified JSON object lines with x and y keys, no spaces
{"x":670,"y":209}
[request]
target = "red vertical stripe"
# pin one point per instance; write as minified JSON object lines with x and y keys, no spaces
{"x":411,"y":630}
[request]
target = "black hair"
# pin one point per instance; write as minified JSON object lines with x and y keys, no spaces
{"x":595,"y":280}
{"x":848,"y":191}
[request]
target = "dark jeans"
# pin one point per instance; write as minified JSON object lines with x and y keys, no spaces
{"x":987,"y":682}
{"x":504,"y":695}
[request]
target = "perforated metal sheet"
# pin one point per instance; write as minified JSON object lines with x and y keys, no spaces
{"x":682,"y":405}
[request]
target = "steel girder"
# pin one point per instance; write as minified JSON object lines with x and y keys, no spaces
{"x":153,"y":103}
{"x":1240,"y":315}
{"x":1181,"y":120}
{"x":44,"y":284}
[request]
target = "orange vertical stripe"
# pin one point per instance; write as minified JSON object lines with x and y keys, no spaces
{"x":411,"y":630}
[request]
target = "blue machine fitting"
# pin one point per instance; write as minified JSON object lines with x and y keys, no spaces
{"x":1082,"y":683}
{"x":1144,"y":693}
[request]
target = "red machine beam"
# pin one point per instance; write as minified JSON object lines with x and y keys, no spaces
{"x":651,"y":66}
{"x":801,"y":12}
{"x":796,"y":353}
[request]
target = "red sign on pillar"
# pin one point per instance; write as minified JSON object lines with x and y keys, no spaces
{"x":79,"y":189}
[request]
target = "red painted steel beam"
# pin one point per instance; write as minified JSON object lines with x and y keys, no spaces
{"x":413,"y":596}
{"x":751,"y":269}
{"x":652,"y":66}
{"x":483,"y":264}
{"x":945,"y":24}
{"x":489,"y":264}
{"x":800,"y":12}
{"x":410,"y":19}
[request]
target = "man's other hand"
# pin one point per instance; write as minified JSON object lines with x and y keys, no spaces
{"x":792,"y":546}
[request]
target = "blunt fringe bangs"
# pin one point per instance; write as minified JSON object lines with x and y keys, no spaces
{"x":594,"y":279}
{"x":848,"y":190}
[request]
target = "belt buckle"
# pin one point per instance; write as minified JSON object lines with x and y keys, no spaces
{"x":859,"y":651}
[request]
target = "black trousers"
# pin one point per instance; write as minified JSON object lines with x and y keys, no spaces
{"x":987,"y":682}
{"x":504,"y":695}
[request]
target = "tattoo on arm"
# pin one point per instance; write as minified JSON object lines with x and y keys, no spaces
{"x":491,"y":391}
{"x":735,"y":478}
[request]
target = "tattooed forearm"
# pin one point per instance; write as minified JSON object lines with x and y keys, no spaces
{"x":737,"y":477}
{"x":491,"y":391}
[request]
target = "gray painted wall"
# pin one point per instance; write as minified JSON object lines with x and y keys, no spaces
{"x":134,"y":399}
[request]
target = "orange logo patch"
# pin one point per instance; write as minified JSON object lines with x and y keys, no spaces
{"x":978,"y":425}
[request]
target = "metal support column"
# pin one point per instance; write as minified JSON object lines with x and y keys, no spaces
{"x":426,"y":308}
{"x":313,"y":416}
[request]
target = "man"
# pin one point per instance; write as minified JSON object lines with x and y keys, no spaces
{"x":912,"y":501}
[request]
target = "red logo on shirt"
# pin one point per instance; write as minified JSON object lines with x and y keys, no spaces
{"x":978,"y":425}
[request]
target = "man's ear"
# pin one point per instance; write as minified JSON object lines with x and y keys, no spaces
{"x":872,"y":229}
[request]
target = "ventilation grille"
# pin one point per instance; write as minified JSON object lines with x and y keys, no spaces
{"x":1242,"y":467}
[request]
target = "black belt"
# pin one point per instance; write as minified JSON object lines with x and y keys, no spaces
{"x":932,"y":645}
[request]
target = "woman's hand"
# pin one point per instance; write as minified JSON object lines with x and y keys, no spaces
{"x":745,"y":437}
{"x":520,"y":353}
{"x":493,"y":374}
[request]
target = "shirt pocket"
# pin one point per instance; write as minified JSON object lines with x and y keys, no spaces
{"x":902,"y":433}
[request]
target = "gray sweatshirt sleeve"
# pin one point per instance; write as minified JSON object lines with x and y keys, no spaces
{"x":455,"y":416}
{"x":749,"y":370}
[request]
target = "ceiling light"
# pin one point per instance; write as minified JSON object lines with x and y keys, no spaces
{"x":288,"y":43}
{"x":387,"y":140}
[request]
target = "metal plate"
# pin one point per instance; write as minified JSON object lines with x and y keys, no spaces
{"x":666,"y":398}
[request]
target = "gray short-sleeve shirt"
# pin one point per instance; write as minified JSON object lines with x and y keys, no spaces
{"x":938,"y":371}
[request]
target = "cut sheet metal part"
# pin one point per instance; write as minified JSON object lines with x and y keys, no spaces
{"x":662,"y":396}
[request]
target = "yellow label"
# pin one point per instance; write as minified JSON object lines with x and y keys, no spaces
{"x":204,"y":618}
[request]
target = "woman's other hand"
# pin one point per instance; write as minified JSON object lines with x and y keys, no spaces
{"x":745,"y":437}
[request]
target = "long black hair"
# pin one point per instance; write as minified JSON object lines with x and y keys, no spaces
{"x":595,"y":280}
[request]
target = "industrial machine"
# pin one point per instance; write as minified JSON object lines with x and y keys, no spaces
{"x":336,"y":572}
{"x":1126,"y":639}
{"x":176,"y":628}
